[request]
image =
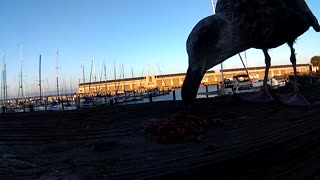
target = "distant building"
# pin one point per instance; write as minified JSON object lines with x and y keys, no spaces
{"x":169,"y":81}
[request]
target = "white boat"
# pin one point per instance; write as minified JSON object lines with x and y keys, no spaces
{"x":54,"y":106}
{"x":153,"y":92}
{"x":40,"y":108}
{"x":101,"y":100}
{"x":240,"y":84}
{"x":132,"y":96}
{"x":244,"y":84}
{"x":86,"y":102}
{"x":272,"y":82}
{"x":118,"y":98}
{"x":228,"y":87}
{"x":68,"y":106}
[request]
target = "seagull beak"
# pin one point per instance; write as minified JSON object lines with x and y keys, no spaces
{"x":191,"y":84}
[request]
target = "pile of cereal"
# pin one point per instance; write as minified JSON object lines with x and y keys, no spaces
{"x":177,"y":127}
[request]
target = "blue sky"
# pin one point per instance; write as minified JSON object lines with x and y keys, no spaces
{"x":134,"y":33}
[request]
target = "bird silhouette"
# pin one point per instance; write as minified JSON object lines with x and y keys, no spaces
{"x":242,"y":24}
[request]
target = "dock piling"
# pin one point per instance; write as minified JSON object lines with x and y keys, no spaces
{"x":207,"y":95}
{"x":174,"y":95}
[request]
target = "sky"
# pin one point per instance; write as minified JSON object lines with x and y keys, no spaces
{"x":146,"y":37}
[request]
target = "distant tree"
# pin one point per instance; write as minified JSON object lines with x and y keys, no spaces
{"x":315,"y":61}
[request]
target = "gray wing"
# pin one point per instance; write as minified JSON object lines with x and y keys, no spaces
{"x":302,"y":6}
{"x":236,"y":8}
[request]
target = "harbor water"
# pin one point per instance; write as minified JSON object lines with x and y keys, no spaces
{"x":169,"y":97}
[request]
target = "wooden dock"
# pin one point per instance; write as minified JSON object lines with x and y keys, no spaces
{"x":255,"y":141}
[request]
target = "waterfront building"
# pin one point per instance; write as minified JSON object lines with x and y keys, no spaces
{"x":169,"y":81}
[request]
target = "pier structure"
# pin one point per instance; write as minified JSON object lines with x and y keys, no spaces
{"x":171,"y":81}
{"x":36,"y":99}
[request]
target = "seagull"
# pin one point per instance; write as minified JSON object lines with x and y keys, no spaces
{"x":239,"y":25}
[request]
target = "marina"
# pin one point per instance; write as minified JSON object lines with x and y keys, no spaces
{"x":171,"y":81}
{"x":137,"y":89}
{"x":79,"y":101}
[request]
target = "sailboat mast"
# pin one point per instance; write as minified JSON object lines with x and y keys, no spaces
{"x":3,"y":80}
{"x":163,"y":81}
{"x":155,"y":68}
{"x":132,"y":79}
{"x":57,"y":75}
{"x":245,"y":56}
{"x":99,"y":88}
{"x":213,"y":7}
{"x":65,"y":86}
{"x":115,"y":77}
{"x":82,"y":65}
{"x":90,"y":75}
{"x":1,"y":91}
{"x":20,"y":85}
{"x":94,"y":70}
{"x":40,"y":78}
{"x":123,"y":78}
{"x":48,"y":87}
{"x":105,"y":76}
{"x":222,"y":75}
{"x":70,"y":87}
{"x":244,"y":66}
{"x":141,"y":77}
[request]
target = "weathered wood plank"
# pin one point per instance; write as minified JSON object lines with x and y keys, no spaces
{"x":255,"y":141}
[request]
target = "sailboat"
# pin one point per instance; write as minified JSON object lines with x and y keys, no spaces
{"x":132,"y":94}
{"x":89,"y":101}
{"x":4,"y":87}
{"x":119,"y":97}
{"x":102,"y":99}
{"x":164,"y":91}
{"x":39,"y":106}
